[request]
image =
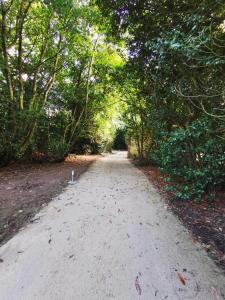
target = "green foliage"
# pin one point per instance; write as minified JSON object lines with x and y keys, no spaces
{"x":7,"y":152}
{"x":194,"y":157}
{"x":48,"y":139}
{"x":57,"y":150}
{"x":56,"y":78}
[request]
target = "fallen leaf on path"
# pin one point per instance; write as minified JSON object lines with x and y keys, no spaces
{"x":149,"y":224}
{"x":137,"y":286}
{"x":34,"y":220}
{"x":216,"y":294}
{"x":71,"y":203}
{"x":222,"y":258}
{"x":194,"y":240}
{"x":181,"y":278}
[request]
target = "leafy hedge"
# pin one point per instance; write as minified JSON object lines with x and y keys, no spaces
{"x":194,"y":158}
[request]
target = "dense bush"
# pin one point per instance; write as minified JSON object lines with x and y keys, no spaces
{"x":85,"y":145}
{"x":194,"y":156}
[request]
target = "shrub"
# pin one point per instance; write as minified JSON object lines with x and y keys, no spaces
{"x":57,"y":150}
{"x":194,"y":158}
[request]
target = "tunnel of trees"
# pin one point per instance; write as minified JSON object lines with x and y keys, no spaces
{"x":73,"y":72}
{"x":120,"y":141}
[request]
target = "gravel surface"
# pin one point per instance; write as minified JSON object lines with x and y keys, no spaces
{"x":109,"y":236}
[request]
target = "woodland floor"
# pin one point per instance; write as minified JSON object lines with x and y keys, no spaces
{"x":205,"y":221}
{"x":26,"y":188}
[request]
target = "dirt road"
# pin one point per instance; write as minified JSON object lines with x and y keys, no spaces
{"x":109,"y":236}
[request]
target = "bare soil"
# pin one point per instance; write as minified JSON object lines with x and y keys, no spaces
{"x":205,"y":221}
{"x":26,"y":188}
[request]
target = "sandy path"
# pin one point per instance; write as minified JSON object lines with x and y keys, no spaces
{"x":107,"y":237}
